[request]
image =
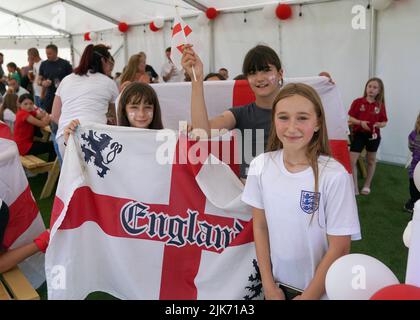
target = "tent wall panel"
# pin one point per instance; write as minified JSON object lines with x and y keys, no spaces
{"x":398,"y":53}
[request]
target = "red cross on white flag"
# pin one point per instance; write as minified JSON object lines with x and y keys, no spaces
{"x":182,"y":34}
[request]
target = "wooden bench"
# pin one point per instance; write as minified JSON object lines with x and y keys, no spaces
{"x":15,"y":286}
{"x":36,"y":165}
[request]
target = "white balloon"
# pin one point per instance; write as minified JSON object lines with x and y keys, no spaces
{"x":357,"y":277}
{"x":416,"y":176}
{"x":202,"y":19}
{"x":407,"y":235}
{"x":269,"y":11}
{"x":159,"y":22}
{"x":381,"y":4}
{"x":93,"y":36}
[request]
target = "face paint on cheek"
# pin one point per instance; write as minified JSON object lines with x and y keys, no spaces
{"x":149,"y":115}
{"x":131,"y":115}
{"x":273,"y":79}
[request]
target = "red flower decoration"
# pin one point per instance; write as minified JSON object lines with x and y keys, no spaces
{"x":283,"y":11}
{"x":86,"y":36}
{"x":211,"y":13}
{"x":123,"y":27}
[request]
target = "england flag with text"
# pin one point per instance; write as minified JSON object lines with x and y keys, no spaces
{"x":136,"y":218}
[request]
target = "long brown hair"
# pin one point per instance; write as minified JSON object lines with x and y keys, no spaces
{"x":319,"y":144}
{"x":134,"y":93}
{"x":130,"y":72}
{"x":9,"y":102}
{"x":380,"y":98}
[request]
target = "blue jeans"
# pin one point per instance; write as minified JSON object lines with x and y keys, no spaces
{"x":38,"y":102}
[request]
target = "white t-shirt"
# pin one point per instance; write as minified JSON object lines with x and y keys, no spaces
{"x":298,"y":238}
{"x":86,"y":98}
{"x":178,"y":75}
{"x":37,"y":88}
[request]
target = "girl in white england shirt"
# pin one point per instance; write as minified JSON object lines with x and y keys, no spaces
{"x":304,"y":208}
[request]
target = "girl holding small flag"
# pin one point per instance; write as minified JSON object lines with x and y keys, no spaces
{"x":263,"y":70}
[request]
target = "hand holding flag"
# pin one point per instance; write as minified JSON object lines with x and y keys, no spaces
{"x":191,"y":63}
{"x":181,"y":36}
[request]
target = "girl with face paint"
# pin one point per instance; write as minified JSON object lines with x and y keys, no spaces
{"x":138,"y":108}
{"x":263,"y":70}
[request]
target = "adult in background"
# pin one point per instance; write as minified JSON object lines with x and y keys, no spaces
{"x":224,"y":72}
{"x":135,"y":71}
{"x":88,"y":93}
{"x":170,"y":72}
{"x":3,"y":78}
{"x":51,"y":72}
{"x":35,"y":60}
{"x":149,"y":69}
{"x":15,"y":87}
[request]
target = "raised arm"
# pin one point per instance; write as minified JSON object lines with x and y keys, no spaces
{"x":199,"y":115}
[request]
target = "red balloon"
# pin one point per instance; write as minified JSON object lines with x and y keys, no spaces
{"x":123,"y":27}
{"x":211,"y":13}
{"x":398,"y":292}
{"x":86,"y":36}
{"x":283,"y":11}
{"x":153,"y":27}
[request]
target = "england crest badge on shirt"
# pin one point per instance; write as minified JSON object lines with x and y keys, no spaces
{"x":309,"y":201}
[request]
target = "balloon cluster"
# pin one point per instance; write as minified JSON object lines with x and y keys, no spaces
{"x":157,"y":24}
{"x":203,"y":18}
{"x":90,"y":36}
{"x":281,"y":11}
{"x":123,"y":27}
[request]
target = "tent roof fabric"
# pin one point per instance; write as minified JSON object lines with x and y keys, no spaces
{"x":65,"y":17}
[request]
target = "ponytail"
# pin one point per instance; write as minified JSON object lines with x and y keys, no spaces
{"x":85,"y":61}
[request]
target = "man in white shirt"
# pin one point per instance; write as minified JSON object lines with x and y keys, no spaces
{"x":35,"y":60}
{"x":170,"y":72}
{"x":17,"y":89}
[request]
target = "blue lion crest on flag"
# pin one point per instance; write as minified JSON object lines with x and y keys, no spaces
{"x":94,"y":150}
{"x":309,"y":201}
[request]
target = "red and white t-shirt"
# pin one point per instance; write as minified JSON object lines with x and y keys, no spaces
{"x":24,"y":131}
{"x":363,"y":110}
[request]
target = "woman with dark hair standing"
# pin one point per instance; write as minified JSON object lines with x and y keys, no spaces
{"x":86,"y":94}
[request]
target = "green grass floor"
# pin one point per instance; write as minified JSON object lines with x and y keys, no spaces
{"x":381,"y":217}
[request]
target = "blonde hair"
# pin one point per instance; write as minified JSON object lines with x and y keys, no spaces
{"x":319,"y":144}
{"x":418,"y":124}
{"x":380,"y":98}
{"x":130,"y":72}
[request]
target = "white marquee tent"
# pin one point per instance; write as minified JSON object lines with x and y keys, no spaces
{"x":322,"y":35}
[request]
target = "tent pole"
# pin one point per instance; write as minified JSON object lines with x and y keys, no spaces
{"x":91,"y":11}
{"x":125,"y":49}
{"x":42,"y":24}
{"x":373,"y":43}
{"x":72,"y":50}
{"x":212,"y":49}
